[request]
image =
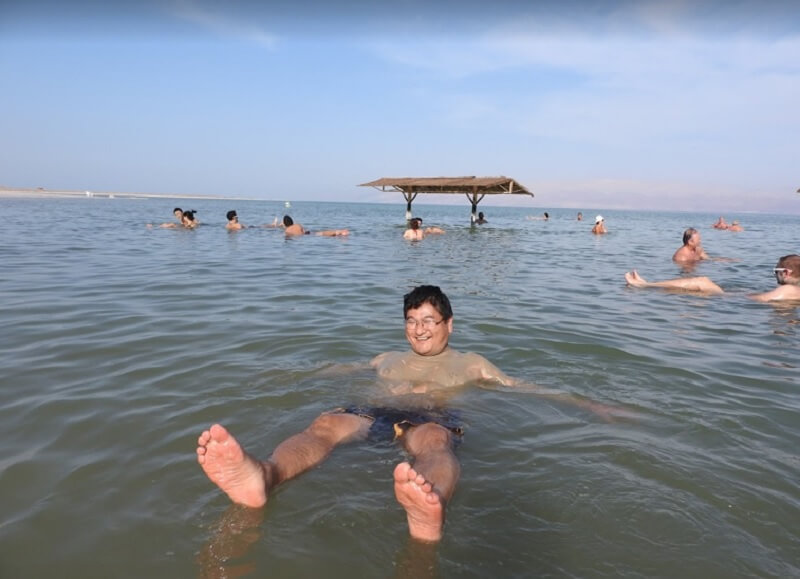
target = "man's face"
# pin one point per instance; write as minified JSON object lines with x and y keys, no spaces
{"x":784,"y":276}
{"x":426,"y":330}
{"x":694,"y":240}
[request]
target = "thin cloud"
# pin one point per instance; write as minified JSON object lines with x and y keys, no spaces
{"x":594,"y":38}
{"x":647,"y":95}
{"x":223,"y":25}
{"x":616,"y":88}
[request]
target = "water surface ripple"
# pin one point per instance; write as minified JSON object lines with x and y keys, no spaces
{"x":121,"y":343}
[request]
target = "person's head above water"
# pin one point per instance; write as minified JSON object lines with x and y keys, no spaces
{"x":177,"y":212}
{"x":429,"y":320}
{"x":787,"y":270}
{"x":287,"y":221}
{"x":230,"y":215}
{"x":414,"y":223}
{"x":688,"y":234}
{"x":427,"y":294}
{"x":188,"y":215}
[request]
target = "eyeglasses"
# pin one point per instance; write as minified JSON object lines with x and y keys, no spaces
{"x":427,"y":323}
{"x":778,"y":270}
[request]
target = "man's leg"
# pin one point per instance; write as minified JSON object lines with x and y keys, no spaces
{"x":425,"y":488}
{"x":248,"y":481}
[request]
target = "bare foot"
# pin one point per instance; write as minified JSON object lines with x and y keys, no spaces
{"x":634,"y":279}
{"x":424,"y":508}
{"x":238,"y":474}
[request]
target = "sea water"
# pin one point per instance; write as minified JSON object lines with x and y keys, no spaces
{"x":120,"y":343}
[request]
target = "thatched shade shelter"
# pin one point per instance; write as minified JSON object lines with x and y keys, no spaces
{"x":475,"y":188}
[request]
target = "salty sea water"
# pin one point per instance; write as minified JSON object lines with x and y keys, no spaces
{"x":120,"y":343}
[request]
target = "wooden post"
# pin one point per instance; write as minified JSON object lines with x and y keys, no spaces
{"x":474,"y":200}
{"x":409,"y":198}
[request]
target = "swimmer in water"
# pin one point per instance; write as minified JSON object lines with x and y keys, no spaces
{"x":692,"y":249}
{"x":787,"y":275}
{"x":430,"y":230}
{"x":424,"y":486}
{"x":233,"y":221}
{"x":292,"y":229}
{"x":720,"y":224}
{"x":599,"y":225}
{"x":178,"y":213}
{"x":414,"y":232}
{"x":188,"y":219}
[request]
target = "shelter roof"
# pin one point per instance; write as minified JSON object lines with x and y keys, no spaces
{"x":482,"y":185}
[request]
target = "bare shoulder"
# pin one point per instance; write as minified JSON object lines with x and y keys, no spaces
{"x":381,"y":358}
{"x":294,"y":229}
{"x":484,"y":369}
{"x":780,"y":293}
{"x":683,"y":254}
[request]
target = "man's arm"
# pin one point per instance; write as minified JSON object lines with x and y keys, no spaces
{"x":780,"y":293}
{"x":491,"y":376}
{"x":377,"y":360}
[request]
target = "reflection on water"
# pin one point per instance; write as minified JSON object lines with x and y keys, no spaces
{"x":417,"y":560}
{"x":228,"y":552}
{"x":225,"y":554}
{"x":121,"y":343}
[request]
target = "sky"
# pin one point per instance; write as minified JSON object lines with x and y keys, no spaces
{"x":663,"y":105}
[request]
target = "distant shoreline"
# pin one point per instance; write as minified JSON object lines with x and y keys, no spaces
{"x":42,"y":193}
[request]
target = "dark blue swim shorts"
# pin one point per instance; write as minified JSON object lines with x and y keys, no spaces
{"x":391,"y":423}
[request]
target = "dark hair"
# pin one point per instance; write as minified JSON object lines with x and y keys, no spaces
{"x":414,"y":223}
{"x":546,"y":216}
{"x":687,"y":235}
{"x":287,"y":221}
{"x":480,"y":214}
{"x":177,"y":209}
{"x":230,"y":214}
{"x":189,"y":214}
{"x":427,"y":294}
